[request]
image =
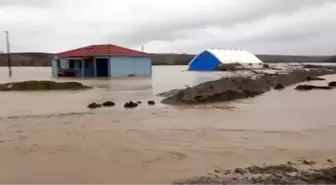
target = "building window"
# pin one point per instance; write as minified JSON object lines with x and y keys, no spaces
{"x":58,"y":62}
{"x":75,"y":64}
{"x":64,"y":64}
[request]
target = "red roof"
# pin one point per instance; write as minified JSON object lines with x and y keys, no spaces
{"x":101,"y":50}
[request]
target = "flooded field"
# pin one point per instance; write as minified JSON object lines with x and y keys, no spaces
{"x":118,"y":90}
{"x":51,"y":137}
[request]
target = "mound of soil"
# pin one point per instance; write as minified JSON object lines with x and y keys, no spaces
{"x":41,"y":85}
{"x":228,"y":89}
{"x":290,"y":173}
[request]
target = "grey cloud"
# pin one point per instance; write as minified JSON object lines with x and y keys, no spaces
{"x":32,"y":3}
{"x":320,"y":45}
{"x":262,"y":26}
{"x":221,"y":15}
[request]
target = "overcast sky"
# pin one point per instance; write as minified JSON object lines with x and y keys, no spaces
{"x":180,"y":26}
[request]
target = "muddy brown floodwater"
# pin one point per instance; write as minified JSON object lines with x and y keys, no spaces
{"x":51,"y":137}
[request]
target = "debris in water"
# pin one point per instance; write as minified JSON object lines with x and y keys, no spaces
{"x":217,"y":171}
{"x":130,"y":104}
{"x":332,"y":84}
{"x":279,"y":87}
{"x":308,"y":162}
{"x":108,"y":104}
{"x":94,"y":105}
{"x":151,"y":102}
{"x":314,"y":78}
{"x":239,"y":171}
{"x":311,"y":87}
{"x":290,"y":163}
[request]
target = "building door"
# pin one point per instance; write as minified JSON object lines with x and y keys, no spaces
{"x":89,"y":70}
{"x":102,"y":67}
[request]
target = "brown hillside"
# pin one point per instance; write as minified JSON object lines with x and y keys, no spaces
{"x":27,"y":59}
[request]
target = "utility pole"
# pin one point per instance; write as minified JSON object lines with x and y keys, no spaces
{"x":8,"y":55}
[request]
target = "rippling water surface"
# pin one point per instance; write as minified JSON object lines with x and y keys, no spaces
{"x":51,"y":137}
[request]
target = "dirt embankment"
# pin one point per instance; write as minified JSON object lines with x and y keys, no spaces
{"x":42,"y":86}
{"x":227,"y":89}
{"x":300,"y":172}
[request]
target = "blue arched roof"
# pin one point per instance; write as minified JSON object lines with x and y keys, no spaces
{"x":205,"y":61}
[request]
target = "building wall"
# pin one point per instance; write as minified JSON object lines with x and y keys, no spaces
{"x":54,"y":67}
{"x":89,"y":68}
{"x":130,"y":66}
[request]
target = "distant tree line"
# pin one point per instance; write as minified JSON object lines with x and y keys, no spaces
{"x":44,"y":59}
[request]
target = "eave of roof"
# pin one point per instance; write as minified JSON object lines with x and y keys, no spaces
{"x":101,"y":50}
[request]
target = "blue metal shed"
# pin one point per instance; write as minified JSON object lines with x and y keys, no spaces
{"x":212,"y":59}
